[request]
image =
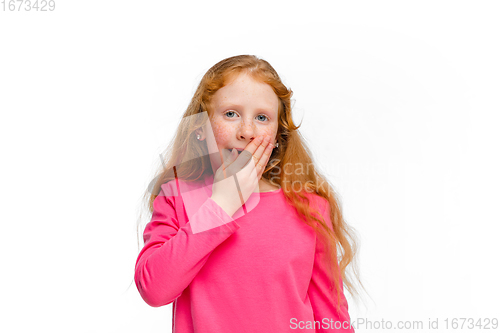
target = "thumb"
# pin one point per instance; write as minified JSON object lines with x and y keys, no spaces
{"x":231,"y":157}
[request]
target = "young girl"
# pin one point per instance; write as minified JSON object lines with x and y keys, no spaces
{"x":249,"y":239}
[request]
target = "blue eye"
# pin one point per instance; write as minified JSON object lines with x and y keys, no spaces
{"x":261,"y":115}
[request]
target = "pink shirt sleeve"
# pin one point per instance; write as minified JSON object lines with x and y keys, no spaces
{"x":324,"y":306}
{"x":172,"y":254}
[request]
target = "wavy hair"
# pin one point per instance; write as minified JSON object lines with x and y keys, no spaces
{"x":292,"y":152}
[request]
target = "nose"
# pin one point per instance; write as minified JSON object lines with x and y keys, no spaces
{"x":247,"y":132}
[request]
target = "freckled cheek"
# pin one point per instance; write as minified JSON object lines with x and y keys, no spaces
{"x":270,"y":132}
{"x":221,"y":133}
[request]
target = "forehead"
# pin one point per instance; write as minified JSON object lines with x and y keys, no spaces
{"x":244,"y":91}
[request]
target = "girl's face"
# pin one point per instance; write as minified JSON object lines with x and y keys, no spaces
{"x":242,"y":110}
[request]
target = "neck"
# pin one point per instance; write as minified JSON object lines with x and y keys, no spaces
{"x":265,"y":186}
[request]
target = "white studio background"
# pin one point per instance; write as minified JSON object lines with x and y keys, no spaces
{"x":399,"y":104}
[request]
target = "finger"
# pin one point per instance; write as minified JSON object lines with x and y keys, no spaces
{"x":255,"y":144}
{"x":228,"y":160}
{"x":246,"y":155}
{"x":231,"y":156}
{"x":260,"y":150}
{"x":259,"y":158}
{"x":261,"y":165}
{"x":252,"y":152}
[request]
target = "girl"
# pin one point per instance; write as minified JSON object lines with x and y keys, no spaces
{"x":245,"y":234}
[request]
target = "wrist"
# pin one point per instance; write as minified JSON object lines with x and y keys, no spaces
{"x":226,"y":206}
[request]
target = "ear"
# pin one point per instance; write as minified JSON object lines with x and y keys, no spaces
{"x":201,"y":132}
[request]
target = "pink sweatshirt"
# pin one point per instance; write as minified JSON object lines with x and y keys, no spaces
{"x":263,"y":271}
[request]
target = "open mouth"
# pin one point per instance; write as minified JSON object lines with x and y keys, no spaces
{"x":237,"y":150}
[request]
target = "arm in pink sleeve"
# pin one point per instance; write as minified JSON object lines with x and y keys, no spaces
{"x":172,"y":254}
{"x":322,"y":300}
